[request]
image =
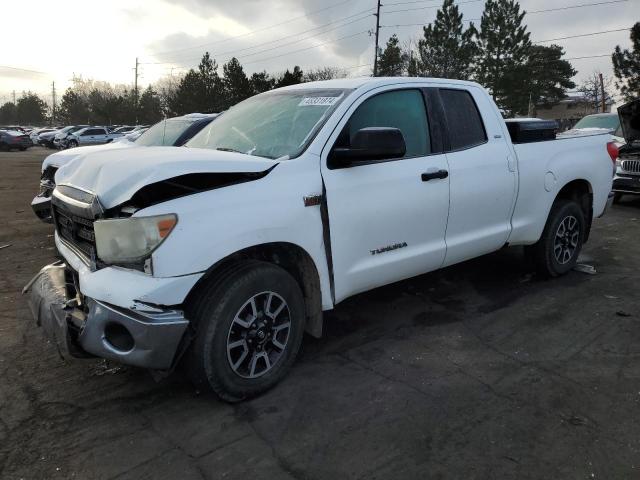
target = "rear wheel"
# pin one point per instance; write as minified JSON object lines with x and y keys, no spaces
{"x":557,"y":250}
{"x":249,"y":328}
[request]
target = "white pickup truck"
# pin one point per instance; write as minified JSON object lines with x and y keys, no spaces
{"x":222,"y":254}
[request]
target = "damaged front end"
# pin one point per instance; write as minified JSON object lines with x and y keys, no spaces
{"x":41,"y":203}
{"x":82,"y":327}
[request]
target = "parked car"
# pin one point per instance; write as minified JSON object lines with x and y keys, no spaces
{"x":11,"y":139}
{"x":124,"y":129}
{"x":170,"y":132}
{"x":45,"y":139}
{"x":607,"y":121}
{"x":60,"y":138}
{"x":91,"y":136}
{"x":223,"y":253}
{"x":33,"y":135}
{"x":627,"y":179}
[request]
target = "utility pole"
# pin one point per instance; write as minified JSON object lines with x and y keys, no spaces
{"x":53,"y":103}
{"x":135,"y":94}
{"x":375,"y":55}
{"x":604,"y":106}
{"x":14,"y":97}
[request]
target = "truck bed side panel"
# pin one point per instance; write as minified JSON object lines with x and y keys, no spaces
{"x":545,"y":168}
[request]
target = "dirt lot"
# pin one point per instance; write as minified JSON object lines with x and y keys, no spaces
{"x":478,"y":371}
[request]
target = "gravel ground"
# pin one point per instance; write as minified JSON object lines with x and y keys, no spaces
{"x":479,"y":371}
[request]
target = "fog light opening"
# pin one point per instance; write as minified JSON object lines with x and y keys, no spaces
{"x":118,"y":337}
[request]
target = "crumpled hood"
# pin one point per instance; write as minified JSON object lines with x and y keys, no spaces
{"x":63,"y":157}
{"x":629,"y":114}
{"x":115,"y":175}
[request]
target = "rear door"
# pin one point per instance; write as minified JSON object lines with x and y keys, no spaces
{"x":386,"y":222}
{"x":482,"y":171}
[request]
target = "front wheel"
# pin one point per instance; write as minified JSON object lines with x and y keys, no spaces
{"x":249,"y":328}
{"x":557,"y":250}
{"x":73,"y":143}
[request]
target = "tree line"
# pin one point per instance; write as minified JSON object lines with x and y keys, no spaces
{"x":499,"y":54}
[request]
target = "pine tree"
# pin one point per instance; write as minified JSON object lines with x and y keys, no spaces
{"x":189,"y":96}
{"x":392,"y":61}
{"x":213,"y":100}
{"x":446,"y":49}
{"x":290,"y":78}
{"x":236,"y":84}
{"x":74,"y":108}
{"x":149,"y":108}
{"x":504,"y":47}
{"x":8,"y":114}
{"x":626,"y":66}
{"x":546,"y":78}
{"x":261,"y":82}
{"x":30,"y":109}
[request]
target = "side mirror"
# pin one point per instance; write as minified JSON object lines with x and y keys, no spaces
{"x":370,"y":143}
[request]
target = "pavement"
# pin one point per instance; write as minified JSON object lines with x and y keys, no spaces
{"x":478,"y":371}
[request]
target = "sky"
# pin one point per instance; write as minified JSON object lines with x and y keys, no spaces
{"x":51,"y":41}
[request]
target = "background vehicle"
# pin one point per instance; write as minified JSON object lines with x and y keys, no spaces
{"x":10,"y":139}
{"x":627,"y":179}
{"x":90,"y":136}
{"x":45,"y":139}
{"x":170,"y":132}
{"x":291,"y":202}
{"x":60,"y":138}
{"x":608,"y":121}
{"x":33,"y":135}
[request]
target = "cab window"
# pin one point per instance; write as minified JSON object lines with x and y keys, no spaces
{"x":401,"y":109}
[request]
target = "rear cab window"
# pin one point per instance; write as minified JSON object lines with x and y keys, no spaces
{"x":465,"y":125}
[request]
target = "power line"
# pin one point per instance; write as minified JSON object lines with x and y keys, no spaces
{"x":582,"y":35}
{"x":274,"y":41}
{"x":430,"y":6}
{"x":23,"y":69}
{"x":308,"y":48}
{"x":268,"y":27}
{"x":569,"y":7}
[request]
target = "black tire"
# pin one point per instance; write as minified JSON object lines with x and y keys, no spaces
{"x":22,"y":149}
{"x":4,"y":147}
{"x":214,"y":310}
{"x":617,"y":197}
{"x":73,"y":144}
{"x":545,"y":251}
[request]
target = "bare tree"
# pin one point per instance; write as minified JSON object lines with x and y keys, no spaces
{"x":324,"y":73}
{"x":592,"y":91}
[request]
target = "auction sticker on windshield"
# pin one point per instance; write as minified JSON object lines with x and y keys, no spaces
{"x":318,"y":101}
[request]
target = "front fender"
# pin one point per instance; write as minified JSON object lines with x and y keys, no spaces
{"x":215,"y":224}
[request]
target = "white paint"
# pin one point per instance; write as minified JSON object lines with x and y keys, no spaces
{"x":495,"y":193}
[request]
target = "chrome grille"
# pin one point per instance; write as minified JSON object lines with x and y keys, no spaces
{"x":75,"y":230}
{"x":631,"y":166}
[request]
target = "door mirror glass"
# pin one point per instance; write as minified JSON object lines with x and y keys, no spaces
{"x":371,"y":143}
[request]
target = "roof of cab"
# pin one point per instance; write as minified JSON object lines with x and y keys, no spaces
{"x":373,"y":82}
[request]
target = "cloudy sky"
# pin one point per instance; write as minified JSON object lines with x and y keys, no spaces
{"x":53,"y":40}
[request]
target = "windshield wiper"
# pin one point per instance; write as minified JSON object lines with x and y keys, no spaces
{"x":227,"y":149}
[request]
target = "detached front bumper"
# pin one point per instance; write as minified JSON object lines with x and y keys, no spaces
{"x":80,"y":325}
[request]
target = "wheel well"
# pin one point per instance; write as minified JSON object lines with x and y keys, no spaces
{"x":292,"y":258}
{"x":582,"y":193}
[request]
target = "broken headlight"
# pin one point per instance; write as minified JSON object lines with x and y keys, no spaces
{"x":128,"y":240}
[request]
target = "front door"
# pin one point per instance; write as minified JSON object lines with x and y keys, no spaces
{"x":387,"y":219}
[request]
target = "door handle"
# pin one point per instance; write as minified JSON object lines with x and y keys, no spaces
{"x":438,"y":174}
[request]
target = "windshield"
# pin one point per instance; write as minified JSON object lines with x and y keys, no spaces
{"x":272,"y":125}
{"x":610,"y":122}
{"x":164,"y":133}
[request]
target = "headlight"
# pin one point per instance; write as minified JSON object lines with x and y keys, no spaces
{"x":127,"y":240}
